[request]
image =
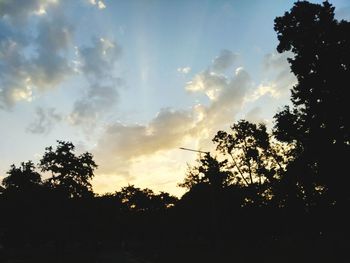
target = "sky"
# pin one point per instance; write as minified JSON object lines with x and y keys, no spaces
{"x":132,"y":81}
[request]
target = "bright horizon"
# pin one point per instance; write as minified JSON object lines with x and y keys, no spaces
{"x":133,"y":81}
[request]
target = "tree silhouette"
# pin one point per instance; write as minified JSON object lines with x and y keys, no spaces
{"x":318,"y":122}
{"x":140,"y":200}
{"x":23,"y":178}
{"x":256,"y":160}
{"x":209,"y":171}
{"x":135,"y":199}
{"x":71,"y":174}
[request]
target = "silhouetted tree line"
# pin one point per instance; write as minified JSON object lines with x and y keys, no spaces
{"x":279,"y":196}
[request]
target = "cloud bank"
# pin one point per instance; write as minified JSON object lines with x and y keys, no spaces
{"x":122,"y":148}
{"x":30,"y":62}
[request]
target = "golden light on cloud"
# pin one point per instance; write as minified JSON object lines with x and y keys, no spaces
{"x":24,"y":93}
{"x":262,"y":90}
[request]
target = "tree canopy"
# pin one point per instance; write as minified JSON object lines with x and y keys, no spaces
{"x":23,"y":178}
{"x":318,"y":122}
{"x":71,"y":174}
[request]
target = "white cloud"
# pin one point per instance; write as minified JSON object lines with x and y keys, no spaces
{"x":227,"y":101}
{"x":99,"y":4}
{"x":208,"y":82}
{"x":184,"y":70}
{"x":262,"y":90}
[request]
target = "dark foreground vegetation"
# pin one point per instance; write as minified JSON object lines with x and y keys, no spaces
{"x":264,"y":197}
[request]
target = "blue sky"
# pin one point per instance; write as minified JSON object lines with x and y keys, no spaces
{"x":132,"y":81}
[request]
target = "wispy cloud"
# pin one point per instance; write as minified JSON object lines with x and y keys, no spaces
{"x":44,"y":121}
{"x":184,"y":70}
{"x":99,"y":4}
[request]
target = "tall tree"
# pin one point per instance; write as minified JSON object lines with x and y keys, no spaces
{"x":318,"y":122}
{"x":71,"y":174}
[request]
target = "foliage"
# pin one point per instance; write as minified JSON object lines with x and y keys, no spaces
{"x":318,"y":122}
{"x":22,"y":178}
{"x":71,"y":174}
{"x":208,"y":171}
{"x":137,"y":199}
{"x":256,"y":160}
